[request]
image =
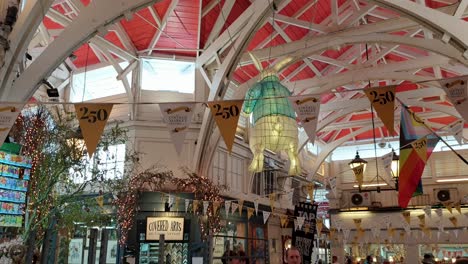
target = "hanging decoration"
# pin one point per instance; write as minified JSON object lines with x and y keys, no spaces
{"x":226,"y":115}
{"x":449,"y":206}
{"x":407,"y":216}
{"x":359,"y":174}
{"x":307,"y":109}
{"x":383,"y":101}
{"x":274,"y":120}
{"x":319,"y":225}
{"x":266,"y":215}
{"x":456,"y":129}
{"x":227,"y":206}
{"x":234,"y":207}
{"x":428,"y":210}
{"x":250,"y":212}
{"x":454,"y":221}
{"x":357,"y":223}
{"x":456,"y":90}
{"x":283,"y":221}
{"x":177,"y":117}
{"x":92,"y":119}
{"x":422,"y":219}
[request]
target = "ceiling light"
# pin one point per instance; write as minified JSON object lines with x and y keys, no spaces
{"x":370,"y":185}
{"x":453,"y":180}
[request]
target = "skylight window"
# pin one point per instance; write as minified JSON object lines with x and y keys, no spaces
{"x":168,"y":75}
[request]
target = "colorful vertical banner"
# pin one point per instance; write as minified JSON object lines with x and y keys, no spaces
{"x":411,"y":164}
{"x":302,"y":239}
{"x":226,"y":115}
{"x":92,"y":119}
{"x":178,"y":117}
{"x":456,"y":89}
{"x":307,"y":109}
{"x":8,"y":115}
{"x":383,"y":101}
{"x":359,"y":174}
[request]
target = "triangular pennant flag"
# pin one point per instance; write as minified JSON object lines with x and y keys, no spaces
{"x":310,"y":190}
{"x":338,"y":224}
{"x":250,"y":212}
{"x":187,"y":202}
{"x":402,"y":235}
{"x":420,"y":146}
{"x":300,"y":221}
{"x":357,"y":222}
{"x":360,"y":232}
{"x":439,"y":212}
{"x":407,"y":229}
{"x":387,"y":164}
{"x":455,"y":232}
{"x":449,"y":206}
{"x":195,"y":206}
{"x":205,"y":207}
{"x":92,"y":119}
{"x":227,"y":206}
{"x":438,"y":235}
{"x":319,"y":225}
{"x":216,"y":205}
{"x":375,"y":231}
{"x":266,"y":215}
{"x":177,"y":200}
{"x":391,"y":232}
{"x":407,"y":216}
{"x":226,"y":115}
{"x":359,"y":173}
{"x":256,"y":207}
{"x":170,"y":200}
{"x":454,"y":221}
{"x":440,"y":226}
{"x":234,"y":207}
{"x":457,"y":206}
{"x":456,"y":90}
{"x":241,"y":204}
{"x":178,"y":117}
{"x":8,"y":115}
{"x":332,"y":182}
{"x":428,"y":210}
{"x":272,"y":197}
{"x":284,"y":220}
{"x":100,"y":201}
{"x":307,"y":228}
{"x":383,"y":101}
{"x":457,"y":131}
{"x":386,"y":220}
{"x":346,"y":233}
{"x":295,"y":225}
{"x":422,"y":219}
{"x":307,"y":109}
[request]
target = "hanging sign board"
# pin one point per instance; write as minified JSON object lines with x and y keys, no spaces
{"x":172,"y":228}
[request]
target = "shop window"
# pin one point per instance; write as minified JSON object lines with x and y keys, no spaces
{"x":218,"y":175}
{"x":168,"y":75}
{"x":98,"y":83}
{"x":264,"y":182}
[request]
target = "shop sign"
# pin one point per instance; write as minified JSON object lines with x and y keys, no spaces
{"x":303,"y":238}
{"x":172,"y":228}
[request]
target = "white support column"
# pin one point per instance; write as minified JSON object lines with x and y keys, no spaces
{"x":94,"y":16}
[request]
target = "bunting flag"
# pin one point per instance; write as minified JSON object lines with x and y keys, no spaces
{"x":458,"y":207}
{"x":296,"y":227}
{"x":205,"y":207}
{"x":456,"y":90}
{"x":428,"y":210}
{"x":195,"y":206}
{"x":226,"y":115}
{"x":420,"y":146}
{"x":307,"y":228}
{"x":170,"y":201}
{"x":250,"y":212}
{"x":307,"y":109}
{"x":360,"y":233}
{"x":357,"y":222}
{"x":177,"y":117}
{"x":386,"y":220}
{"x":310,"y":190}
{"x":454,"y":221}
{"x":407,"y":216}
{"x":241,"y":204}
{"x":216,"y":205}
{"x":187,"y":202}
{"x":449,"y":206}
{"x":92,"y":119}
{"x":439,"y":212}
{"x":332,"y":233}
{"x":284,"y":221}
{"x":383,"y":101}
{"x":319,"y":225}
{"x":440,"y":226}
{"x":359,"y":174}
{"x":8,"y":115}
{"x":272,"y":197}
{"x":256,"y":207}
{"x":407,"y":229}
{"x":346,"y":233}
{"x":234,"y":207}
{"x":227,"y":206}
{"x":457,"y":131}
{"x":100,"y":201}
{"x":455,"y":232}
{"x":422,"y":219}
{"x":300,"y":221}
{"x":402,"y":235}
{"x":411,"y":165}
{"x":375,"y":231}
{"x":332,"y":182}
{"x":266,"y":215}
{"x":391,"y":232}
{"x":387,"y":164}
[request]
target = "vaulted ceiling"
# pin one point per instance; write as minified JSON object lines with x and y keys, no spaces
{"x":339,"y":48}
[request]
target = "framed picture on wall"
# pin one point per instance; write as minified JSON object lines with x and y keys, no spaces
{"x":75,"y":255}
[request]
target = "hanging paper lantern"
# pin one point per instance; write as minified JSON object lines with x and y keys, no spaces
{"x":274,"y":119}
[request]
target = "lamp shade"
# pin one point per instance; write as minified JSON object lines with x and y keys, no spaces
{"x":357,"y":161}
{"x":395,"y":165}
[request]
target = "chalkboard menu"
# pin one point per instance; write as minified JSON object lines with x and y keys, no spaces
{"x":302,"y":240}
{"x":14,"y":176}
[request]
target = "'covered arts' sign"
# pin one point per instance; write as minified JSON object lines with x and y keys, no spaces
{"x":172,"y":228}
